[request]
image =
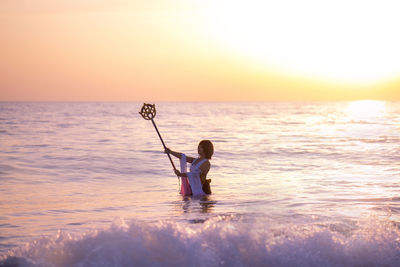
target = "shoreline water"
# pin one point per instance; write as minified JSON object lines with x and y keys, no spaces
{"x":317,"y":179}
{"x":219,"y":241}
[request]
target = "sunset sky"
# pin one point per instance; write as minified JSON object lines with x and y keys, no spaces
{"x":199,"y":50}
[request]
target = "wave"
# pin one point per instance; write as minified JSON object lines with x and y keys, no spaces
{"x":216,"y":242}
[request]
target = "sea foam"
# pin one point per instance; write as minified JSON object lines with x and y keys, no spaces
{"x":220,"y":241}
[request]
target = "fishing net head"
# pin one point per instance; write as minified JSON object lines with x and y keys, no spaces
{"x":148,"y":111}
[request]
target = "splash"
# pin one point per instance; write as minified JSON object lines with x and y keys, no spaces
{"x":220,"y":241}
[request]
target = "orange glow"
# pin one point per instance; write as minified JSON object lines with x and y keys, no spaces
{"x":337,"y":41}
{"x":198,"y":51}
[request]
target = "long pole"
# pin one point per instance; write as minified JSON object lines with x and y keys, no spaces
{"x":162,"y":141}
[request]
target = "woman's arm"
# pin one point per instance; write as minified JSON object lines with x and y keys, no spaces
{"x":178,"y":155}
{"x":204,"y":168}
{"x":189,"y":159}
{"x":173,"y":153}
{"x":178,"y":173}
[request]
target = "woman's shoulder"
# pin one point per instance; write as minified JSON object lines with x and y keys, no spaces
{"x":203,"y":161}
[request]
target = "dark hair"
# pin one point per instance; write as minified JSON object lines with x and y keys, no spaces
{"x":207,"y":147}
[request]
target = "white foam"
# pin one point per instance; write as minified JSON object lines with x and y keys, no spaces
{"x":217,"y":242}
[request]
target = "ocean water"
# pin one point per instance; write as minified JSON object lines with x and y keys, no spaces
{"x":294,"y":184}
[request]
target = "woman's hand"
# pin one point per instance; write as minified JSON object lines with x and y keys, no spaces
{"x":167,"y":150}
{"x":178,"y":173}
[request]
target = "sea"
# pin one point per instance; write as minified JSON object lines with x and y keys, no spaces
{"x":293,"y":184}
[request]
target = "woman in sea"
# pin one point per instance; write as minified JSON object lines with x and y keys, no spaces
{"x":198,"y":184}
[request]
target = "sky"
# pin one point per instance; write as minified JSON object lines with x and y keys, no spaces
{"x":199,"y":50}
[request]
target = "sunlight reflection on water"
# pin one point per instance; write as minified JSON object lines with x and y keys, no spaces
{"x":366,"y":109}
{"x":78,"y":165}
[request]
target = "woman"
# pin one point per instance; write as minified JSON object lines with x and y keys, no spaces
{"x":195,"y":182}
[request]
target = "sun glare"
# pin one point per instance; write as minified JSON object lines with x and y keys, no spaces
{"x":343,"y":41}
{"x":366,"y":109}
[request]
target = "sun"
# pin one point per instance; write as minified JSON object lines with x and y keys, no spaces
{"x":343,"y":41}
